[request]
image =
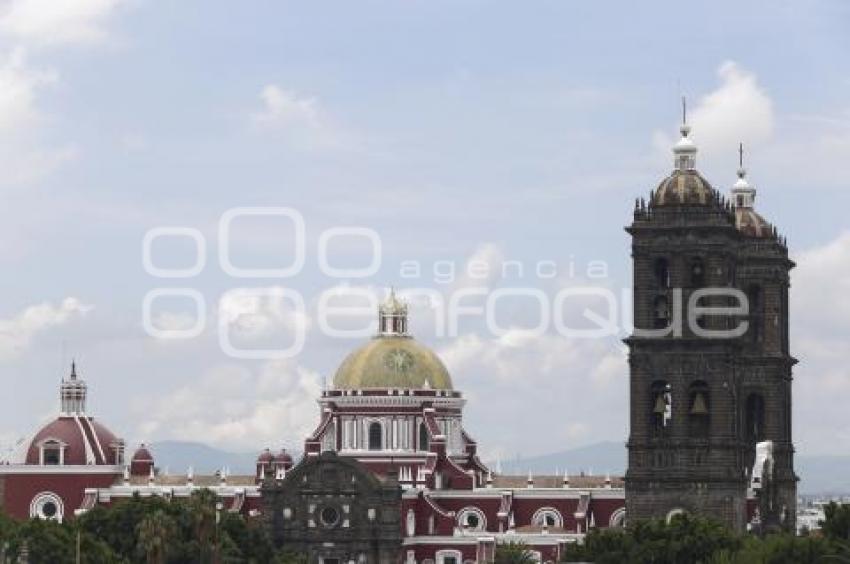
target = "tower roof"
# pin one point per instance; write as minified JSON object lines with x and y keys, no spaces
{"x":747,"y":220}
{"x":684,"y":186}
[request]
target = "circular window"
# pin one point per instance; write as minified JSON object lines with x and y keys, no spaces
{"x":49,"y":509}
{"x":47,"y":505}
{"x":472,"y":519}
{"x":329,"y":516}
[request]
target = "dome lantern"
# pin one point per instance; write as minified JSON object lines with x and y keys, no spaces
{"x":684,"y":186}
{"x":747,"y":219}
{"x":684,"y":151}
{"x":72,"y":394}
{"x":392,"y":316}
{"x":743,"y":194}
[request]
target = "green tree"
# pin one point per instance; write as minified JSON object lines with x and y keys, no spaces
{"x":836,"y":525}
{"x":513,"y":553}
{"x":289,"y":557}
{"x":155,"y":534}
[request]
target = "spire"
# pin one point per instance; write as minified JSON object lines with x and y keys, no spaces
{"x":743,"y":194}
{"x":73,"y":369}
{"x":392,"y":317}
{"x":684,"y":151}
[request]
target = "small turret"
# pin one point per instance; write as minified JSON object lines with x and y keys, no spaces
{"x":72,"y":394}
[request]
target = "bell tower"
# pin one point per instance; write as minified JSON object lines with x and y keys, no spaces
{"x":707,"y":387}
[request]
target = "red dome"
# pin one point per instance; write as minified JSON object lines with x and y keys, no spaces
{"x":265,"y":457}
{"x":77,"y":440}
{"x":283,"y":457}
{"x":142,"y":454}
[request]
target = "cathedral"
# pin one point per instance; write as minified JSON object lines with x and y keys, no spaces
{"x":390,"y":473}
{"x":709,"y":410}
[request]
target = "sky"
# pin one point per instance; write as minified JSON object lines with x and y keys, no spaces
{"x":463,"y":136}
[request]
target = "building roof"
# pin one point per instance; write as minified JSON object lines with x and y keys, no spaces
{"x":576,"y":482}
{"x":83,"y":441}
{"x":392,"y":361}
{"x":683,"y":187}
{"x":142,"y":454}
{"x":751,"y":223}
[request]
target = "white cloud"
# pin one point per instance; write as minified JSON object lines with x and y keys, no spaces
{"x":18,"y":86}
{"x":255,"y":315}
{"x":822,"y":285}
{"x":17,"y":333}
{"x":58,"y":21}
{"x":738,"y":110}
{"x":286,"y":108}
{"x":236,"y":408}
{"x":22,"y":158}
{"x":298,"y":119}
{"x":820,"y":327}
{"x":555,"y":386}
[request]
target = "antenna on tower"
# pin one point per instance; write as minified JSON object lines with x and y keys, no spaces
{"x":684,"y":110}
{"x":741,"y":155}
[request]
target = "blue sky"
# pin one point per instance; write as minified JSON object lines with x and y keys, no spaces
{"x":464,"y":130}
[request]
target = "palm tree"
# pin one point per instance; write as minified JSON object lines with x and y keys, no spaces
{"x":514,"y":553}
{"x":202,"y":504}
{"x":155,"y":532}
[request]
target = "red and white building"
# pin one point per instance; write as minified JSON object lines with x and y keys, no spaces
{"x":393,"y":408}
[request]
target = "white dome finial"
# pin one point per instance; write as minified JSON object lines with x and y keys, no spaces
{"x":684,"y":150}
{"x":743,"y":194}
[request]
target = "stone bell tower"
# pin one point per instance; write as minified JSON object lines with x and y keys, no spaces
{"x":705,"y":389}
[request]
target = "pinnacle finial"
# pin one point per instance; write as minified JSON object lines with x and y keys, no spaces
{"x":742,"y":172}
{"x":73,"y":369}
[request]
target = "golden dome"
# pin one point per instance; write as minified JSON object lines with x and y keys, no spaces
{"x":392,"y":361}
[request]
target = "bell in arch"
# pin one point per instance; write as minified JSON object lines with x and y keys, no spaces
{"x":660,"y":405}
{"x":699,"y":407}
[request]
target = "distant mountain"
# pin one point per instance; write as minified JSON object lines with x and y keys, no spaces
{"x":177,"y":456}
{"x":598,"y":458}
{"x":818,"y":474}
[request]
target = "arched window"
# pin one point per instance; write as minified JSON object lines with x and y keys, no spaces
{"x":754,"y":418}
{"x":618,"y":519}
{"x":471,"y":519}
{"x":755,"y":304}
{"x":697,"y":273}
{"x":661,"y":407}
{"x":47,"y":506}
{"x":423,"y":437}
{"x":660,"y":313}
{"x":376,"y":436}
{"x":699,"y":409}
{"x":662,"y":273}
{"x":548,"y":517}
{"x":673,"y":513}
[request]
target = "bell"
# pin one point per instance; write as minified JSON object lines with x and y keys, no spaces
{"x":660,"y":405}
{"x":699,"y":407}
